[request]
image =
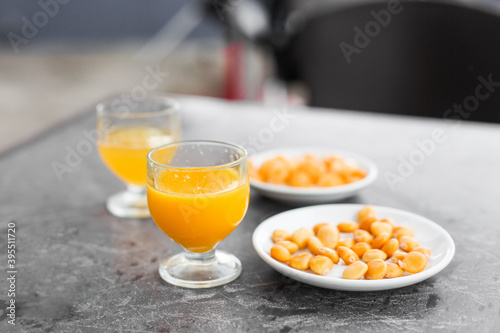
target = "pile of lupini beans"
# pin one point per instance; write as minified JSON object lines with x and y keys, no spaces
{"x":378,"y":248}
{"x":307,"y":171}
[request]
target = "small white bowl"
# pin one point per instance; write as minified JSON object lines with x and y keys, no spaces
{"x":312,"y":195}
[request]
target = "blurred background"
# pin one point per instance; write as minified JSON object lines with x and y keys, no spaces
{"x":424,"y":58}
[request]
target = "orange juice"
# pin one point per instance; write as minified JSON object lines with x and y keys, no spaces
{"x":198,"y":209}
{"x":124,"y":150}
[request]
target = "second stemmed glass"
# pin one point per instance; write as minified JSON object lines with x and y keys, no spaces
{"x":128,"y":130}
{"x":198,"y":193}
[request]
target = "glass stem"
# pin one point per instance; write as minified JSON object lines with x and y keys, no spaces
{"x":205,"y":258}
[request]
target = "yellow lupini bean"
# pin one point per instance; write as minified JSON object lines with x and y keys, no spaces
{"x":280,"y":253}
{"x":380,"y":240}
{"x":361,"y":247}
{"x":348,"y":226}
{"x":378,"y":227}
{"x":321,"y":265}
{"x":414,"y":262}
{"x":299,"y":178}
{"x":312,"y":166}
{"x":364,"y":212}
{"x":314,"y":244}
{"x":362,"y":236}
{"x":300,"y":261}
{"x":407,"y":243}
{"x":301,"y":236}
{"x":347,"y":255}
{"x":397,"y":257}
{"x":275,"y":170}
{"x":424,"y":250}
{"x":366,"y":223}
{"x":393,"y":271}
{"x":290,"y":246}
{"x":347,"y":242}
{"x":355,"y":271}
{"x":388,"y":220}
{"x":319,"y":226}
{"x":280,"y":235}
{"x":330,"y":179}
{"x":391,"y":246}
{"x":377,"y":269}
{"x":374,"y":254}
{"x":329,"y":236}
{"x":327,"y":252}
{"x":402,"y":231}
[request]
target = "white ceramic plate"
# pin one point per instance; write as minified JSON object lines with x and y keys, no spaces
{"x":316,"y":195}
{"x":428,"y":233}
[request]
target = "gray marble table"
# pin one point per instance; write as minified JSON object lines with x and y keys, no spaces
{"x":79,"y":269}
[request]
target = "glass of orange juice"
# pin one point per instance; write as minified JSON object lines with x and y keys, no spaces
{"x":198,"y":193}
{"x":128,"y":130}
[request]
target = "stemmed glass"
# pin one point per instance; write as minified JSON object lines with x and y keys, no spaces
{"x":128,"y":130}
{"x":198,"y":193}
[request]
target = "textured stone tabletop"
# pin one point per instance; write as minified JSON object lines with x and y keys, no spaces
{"x":79,"y":269}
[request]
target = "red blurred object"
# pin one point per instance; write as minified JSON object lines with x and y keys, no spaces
{"x":234,"y":81}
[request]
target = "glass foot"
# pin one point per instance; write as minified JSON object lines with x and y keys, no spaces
{"x":129,"y":204}
{"x":200,"y":270}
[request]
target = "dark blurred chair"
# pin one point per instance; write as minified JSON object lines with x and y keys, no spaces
{"x":428,"y":58}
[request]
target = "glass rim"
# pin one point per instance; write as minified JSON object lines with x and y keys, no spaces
{"x":104,"y":108}
{"x":203,"y":168}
